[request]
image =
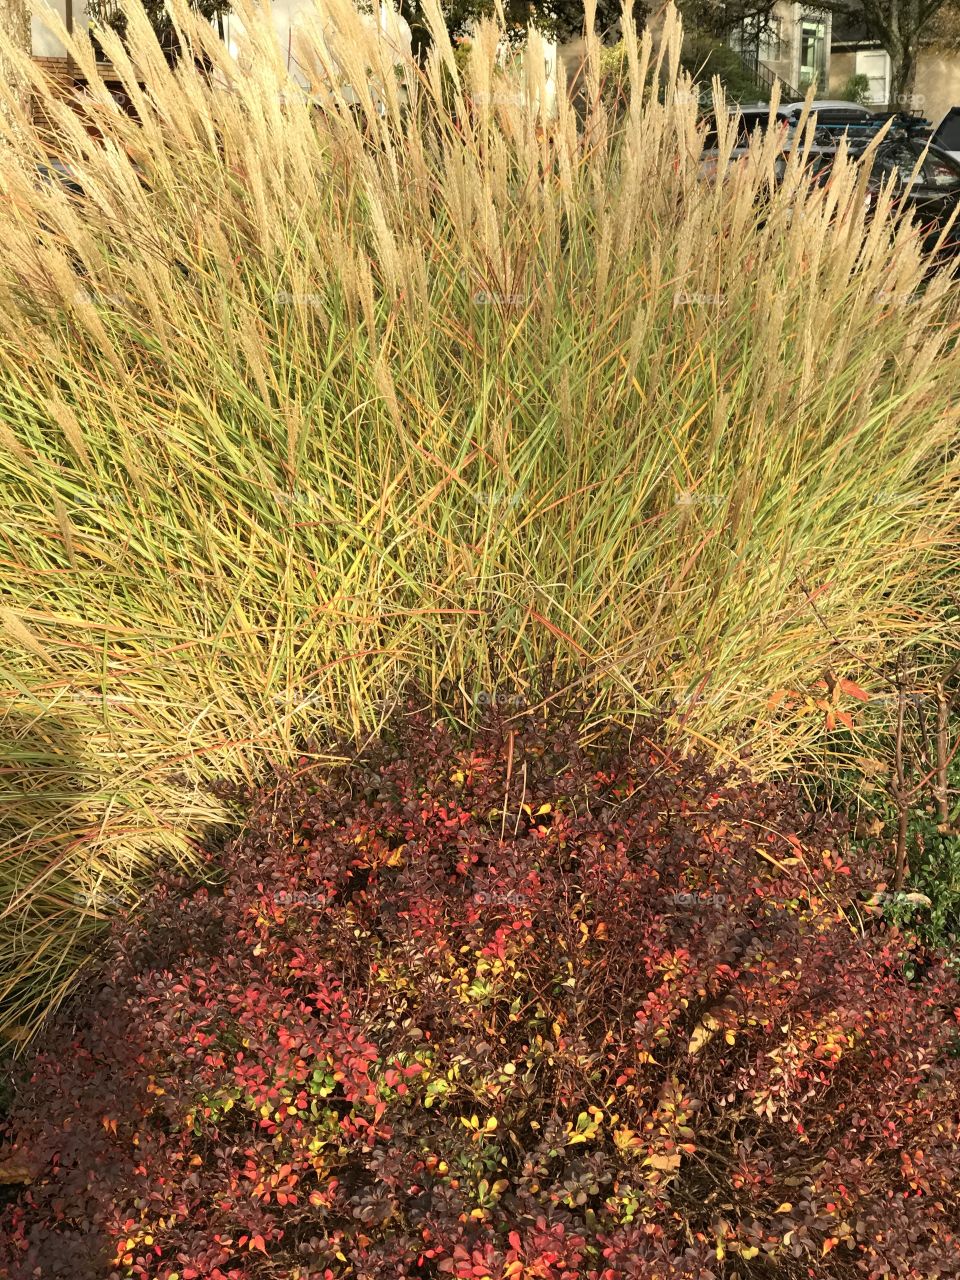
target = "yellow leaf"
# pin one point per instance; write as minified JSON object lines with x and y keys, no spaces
{"x":626,"y":1138}
{"x":783,"y":1208}
{"x":750,"y":1252}
{"x":701,"y":1036}
{"x":14,"y":1171}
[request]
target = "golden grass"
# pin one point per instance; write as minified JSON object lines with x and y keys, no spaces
{"x":482,"y":405}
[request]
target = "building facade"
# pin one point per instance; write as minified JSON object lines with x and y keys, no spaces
{"x":936,"y":85}
{"x":51,"y":55}
{"x":792,"y":44}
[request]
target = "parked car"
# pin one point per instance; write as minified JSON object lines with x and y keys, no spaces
{"x":858,"y":124}
{"x":833,"y":108}
{"x":946,"y":136}
{"x":931,"y":194}
{"x":54,"y":170}
{"x":748,"y":120}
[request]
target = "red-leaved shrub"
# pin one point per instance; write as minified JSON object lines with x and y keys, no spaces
{"x":505,"y":1010}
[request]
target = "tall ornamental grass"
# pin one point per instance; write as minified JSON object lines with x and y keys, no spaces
{"x":305,"y":405}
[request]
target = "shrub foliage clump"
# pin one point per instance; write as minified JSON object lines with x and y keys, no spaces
{"x":512,"y":1009}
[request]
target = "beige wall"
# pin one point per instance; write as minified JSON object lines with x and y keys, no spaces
{"x":45,"y":44}
{"x":938,"y":84}
{"x":786,"y":65}
{"x":842,"y":67}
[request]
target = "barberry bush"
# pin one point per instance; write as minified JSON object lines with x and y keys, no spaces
{"x":510,"y":1008}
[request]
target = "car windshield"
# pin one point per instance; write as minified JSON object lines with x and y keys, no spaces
{"x":821,"y":137}
{"x":898,"y":158}
{"x":901,"y":157}
{"x":745,"y":124}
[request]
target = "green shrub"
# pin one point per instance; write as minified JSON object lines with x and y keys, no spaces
{"x":855,"y":89}
{"x":313,"y":406}
{"x":706,"y":59}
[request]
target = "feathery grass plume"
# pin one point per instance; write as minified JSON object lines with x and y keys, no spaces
{"x":400,"y":380}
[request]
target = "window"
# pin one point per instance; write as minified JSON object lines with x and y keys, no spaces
{"x":813,"y":61}
{"x":751,"y":122}
{"x":771,"y":40}
{"x":941,"y":174}
{"x":947,"y":136}
{"x":840,"y":115}
{"x":875,"y":65}
{"x":898,"y":158}
{"x":758,"y":37}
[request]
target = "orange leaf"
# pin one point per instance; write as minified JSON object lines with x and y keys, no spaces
{"x":854,"y":691}
{"x":258,"y":1243}
{"x":831,"y":720}
{"x":845,"y":718}
{"x":828,"y":1245}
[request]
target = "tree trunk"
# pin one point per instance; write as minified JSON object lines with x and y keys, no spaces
{"x":15,"y":24}
{"x":903,"y":74}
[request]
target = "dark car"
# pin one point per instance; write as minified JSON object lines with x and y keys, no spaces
{"x":947,"y":135}
{"x":837,"y":108}
{"x":751,"y":120}
{"x":858,"y":125}
{"x":55,"y":170}
{"x":931,"y":194}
